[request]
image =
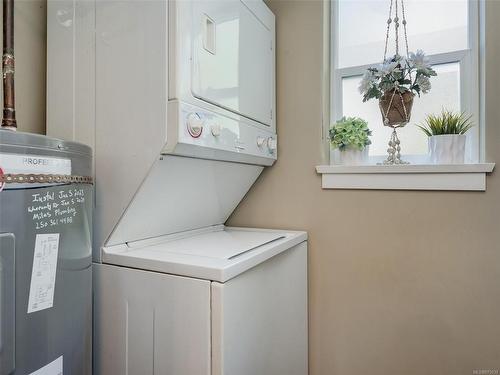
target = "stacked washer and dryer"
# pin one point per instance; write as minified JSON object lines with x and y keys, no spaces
{"x":177,"y":99}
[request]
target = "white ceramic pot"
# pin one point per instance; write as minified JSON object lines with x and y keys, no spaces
{"x":349,"y":156}
{"x":447,"y":149}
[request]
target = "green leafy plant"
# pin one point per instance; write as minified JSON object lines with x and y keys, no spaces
{"x":447,"y":122}
{"x":350,"y":132}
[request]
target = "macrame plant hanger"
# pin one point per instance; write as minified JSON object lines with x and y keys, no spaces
{"x":394,"y":149}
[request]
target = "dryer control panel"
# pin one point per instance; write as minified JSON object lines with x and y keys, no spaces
{"x":212,"y":134}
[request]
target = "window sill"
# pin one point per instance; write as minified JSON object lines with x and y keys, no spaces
{"x":462,"y":177}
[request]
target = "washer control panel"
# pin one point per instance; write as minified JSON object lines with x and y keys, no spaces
{"x":212,"y":130}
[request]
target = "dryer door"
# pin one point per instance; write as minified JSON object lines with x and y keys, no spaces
{"x":233,"y":58}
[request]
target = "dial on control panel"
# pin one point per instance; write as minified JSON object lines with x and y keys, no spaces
{"x":261,"y":141}
{"x":272,"y":144}
{"x":215,"y":129}
{"x":194,"y":125}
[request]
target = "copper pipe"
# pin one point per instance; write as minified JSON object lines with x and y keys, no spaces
{"x":8,"y":67}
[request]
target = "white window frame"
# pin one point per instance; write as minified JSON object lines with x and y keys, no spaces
{"x":471,"y":86}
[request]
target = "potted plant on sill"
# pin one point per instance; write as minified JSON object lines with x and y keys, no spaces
{"x":394,"y":83}
{"x":349,"y":141}
{"x":447,"y":137}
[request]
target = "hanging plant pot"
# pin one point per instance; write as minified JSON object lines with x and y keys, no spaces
{"x":395,"y":107}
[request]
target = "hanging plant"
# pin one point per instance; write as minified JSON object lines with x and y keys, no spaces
{"x":396,"y":81}
{"x":405,"y":74}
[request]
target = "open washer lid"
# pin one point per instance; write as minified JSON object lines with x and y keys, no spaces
{"x":217,"y":255}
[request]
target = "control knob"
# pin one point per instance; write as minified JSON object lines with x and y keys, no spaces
{"x":194,"y":125}
{"x":215,"y":129}
{"x":272,"y":144}
{"x":261,"y":141}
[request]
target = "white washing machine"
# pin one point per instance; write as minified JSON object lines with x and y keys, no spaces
{"x":212,"y":301}
{"x":177,"y":99}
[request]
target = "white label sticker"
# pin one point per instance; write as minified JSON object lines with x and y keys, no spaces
{"x":16,"y":163}
{"x":43,"y":275}
{"x":53,"y":368}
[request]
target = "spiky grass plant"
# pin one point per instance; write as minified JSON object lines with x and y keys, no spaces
{"x":447,"y":122}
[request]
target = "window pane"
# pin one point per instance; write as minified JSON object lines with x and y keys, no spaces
{"x":436,"y":26}
{"x":445,"y":93}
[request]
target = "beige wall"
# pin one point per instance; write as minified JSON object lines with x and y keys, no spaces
{"x":400,"y":282}
{"x":30,"y":45}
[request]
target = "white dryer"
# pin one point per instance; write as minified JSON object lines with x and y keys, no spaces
{"x":177,"y":99}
